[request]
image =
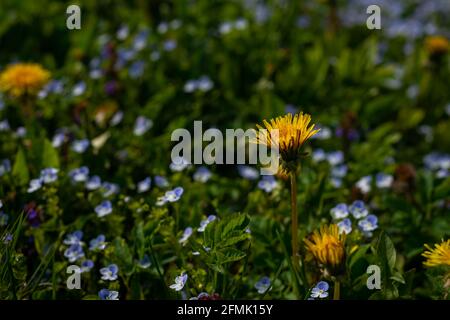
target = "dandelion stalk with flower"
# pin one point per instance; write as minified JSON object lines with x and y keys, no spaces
{"x":23,"y":81}
{"x":288,"y":134}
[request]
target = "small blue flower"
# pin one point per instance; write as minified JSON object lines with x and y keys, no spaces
{"x":4,"y":125}
{"x":186,"y":234}
{"x":103,"y":209}
{"x":190,"y":86}
{"x":7,"y":238}
{"x":5,"y":167}
{"x":267,"y":183}
{"x":339,"y":212}
{"x":320,"y":290}
{"x":204,"y":84}
{"x":74,"y":238}
{"x":161,"y":182}
{"x":97,"y":243}
{"x":86,"y":266}
{"x":369,"y":223}
{"x":336,"y":182}
{"x":358,"y":209}
{"x":384,"y":180}
{"x":171,"y":196}
{"x":339,"y":171}
{"x":136,"y":69}
{"x":169,"y":45}
{"x":58,"y":139}
{"x":123,"y":32}
{"x":179,"y":164}
{"x":106,"y":294}
{"x":335,"y":157}
{"x":180,"y":281}
{"x":248,"y":172}
{"x":79,"y":174}
{"x":145,"y":262}
{"x":35,"y":184}
{"x":109,"y":189}
{"x":345,"y":226}
{"x":117,"y":118}
{"x":110,"y":272}
{"x":318,"y":155}
{"x":3,"y":218}
{"x":93,"y":183}
{"x":364,"y":184}
{"x":144,"y":185}
{"x":74,"y":252}
{"x":21,"y":132}
{"x":323,"y":134}
{"x":142,"y":125}
{"x":205,"y":222}
{"x":80,"y":146}
{"x":49,"y":175}
{"x":79,"y":89}
{"x":140,"y":41}
{"x":263,"y":285}
{"x":202,"y":174}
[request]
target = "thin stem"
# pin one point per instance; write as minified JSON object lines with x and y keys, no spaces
{"x":337,"y":290}
{"x":294,"y":222}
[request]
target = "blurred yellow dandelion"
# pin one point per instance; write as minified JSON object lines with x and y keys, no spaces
{"x":327,"y":245}
{"x":23,"y":78}
{"x":437,"y":45}
{"x":439,"y":255}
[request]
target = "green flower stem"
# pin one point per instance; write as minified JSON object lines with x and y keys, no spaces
{"x":337,"y":290}
{"x":294,"y":222}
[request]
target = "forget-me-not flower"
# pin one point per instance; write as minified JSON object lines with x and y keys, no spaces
{"x":369,"y":223}
{"x":80,"y":146}
{"x":339,"y":212}
{"x":106,"y":294}
{"x":179,"y":164}
{"x":110,"y":272}
{"x":142,"y":125}
{"x":345,"y":226}
{"x":186,"y":234}
{"x":79,"y":174}
{"x":74,"y":252}
{"x":145,"y":262}
{"x":202,"y":174}
{"x":204,"y":223}
{"x":97,"y":243}
{"x":248,"y":172}
{"x":74,"y":238}
{"x":93,"y":183}
{"x":358,"y":209}
{"x":103,"y":209}
{"x":180,"y":281}
{"x":320,"y":290}
{"x":144,"y":185}
{"x":267,"y":183}
{"x":263,"y":285}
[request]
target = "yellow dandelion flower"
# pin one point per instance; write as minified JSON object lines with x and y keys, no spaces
{"x":437,"y":45}
{"x":327,"y":245}
{"x":439,"y":255}
{"x":23,"y":78}
{"x":287,"y":134}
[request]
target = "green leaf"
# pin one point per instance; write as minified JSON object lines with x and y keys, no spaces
{"x":386,"y":251}
{"x":49,"y":155}
{"x":20,"y":169}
